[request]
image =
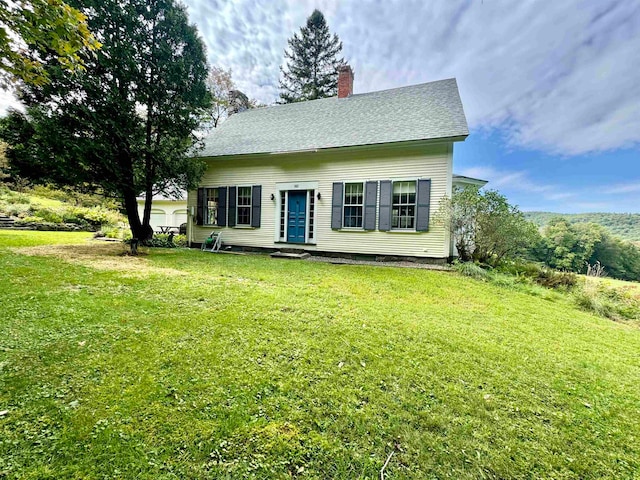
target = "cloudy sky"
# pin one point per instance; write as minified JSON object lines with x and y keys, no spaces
{"x":551,"y":88}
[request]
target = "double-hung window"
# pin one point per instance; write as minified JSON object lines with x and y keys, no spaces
{"x":211,"y":206}
{"x":243,"y":206}
{"x":353,"y":205}
{"x":403,"y":214}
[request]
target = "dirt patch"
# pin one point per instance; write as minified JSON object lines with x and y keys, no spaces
{"x":102,"y":256}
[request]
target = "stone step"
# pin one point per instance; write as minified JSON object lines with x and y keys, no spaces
{"x":291,"y":255}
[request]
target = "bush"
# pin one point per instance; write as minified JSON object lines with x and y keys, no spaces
{"x":48,"y":215}
{"x":469,"y":269}
{"x":554,"y":279}
{"x":485,"y":227}
{"x":18,"y":210}
{"x":109,"y":232}
{"x":611,"y":303}
{"x":544,"y":276}
{"x":161,"y":240}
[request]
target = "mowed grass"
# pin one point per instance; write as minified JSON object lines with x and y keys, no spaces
{"x":182,"y":364}
{"x":28,"y":238}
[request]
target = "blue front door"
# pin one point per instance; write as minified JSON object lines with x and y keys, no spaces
{"x":297,"y":217}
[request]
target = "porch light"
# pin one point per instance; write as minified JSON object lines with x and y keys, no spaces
{"x":319,"y":196}
{"x":273,"y":197}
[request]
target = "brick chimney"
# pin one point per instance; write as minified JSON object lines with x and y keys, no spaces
{"x":345,"y":81}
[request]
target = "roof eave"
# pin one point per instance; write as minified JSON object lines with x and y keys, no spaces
{"x":368,"y":146}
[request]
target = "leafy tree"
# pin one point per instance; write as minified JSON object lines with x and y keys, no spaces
{"x":219,"y":83}
{"x":312,"y":62}
{"x":33,"y":29}
{"x":4,"y":161}
{"x":485,"y":228}
{"x":22,"y":151}
{"x":623,"y":225}
{"x":225,"y":97}
{"x":127,"y":125}
{"x":566,"y":246}
{"x":574,"y":247}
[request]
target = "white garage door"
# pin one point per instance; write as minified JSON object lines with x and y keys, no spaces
{"x":179,"y":217}
{"x":158,"y":217}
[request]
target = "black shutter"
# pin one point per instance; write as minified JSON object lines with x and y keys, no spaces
{"x":222,"y":206}
{"x":386,"y":198}
{"x":336,"y":205}
{"x":423,"y":203}
{"x":370,"y":201}
{"x":256,"y":205}
{"x":202,"y":200}
{"x":232,"y":207}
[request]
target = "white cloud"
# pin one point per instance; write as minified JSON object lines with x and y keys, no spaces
{"x":622,"y":188}
{"x":560,"y":77}
{"x":517,"y":181}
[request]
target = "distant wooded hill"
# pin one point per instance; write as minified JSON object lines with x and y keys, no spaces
{"x":624,"y":225}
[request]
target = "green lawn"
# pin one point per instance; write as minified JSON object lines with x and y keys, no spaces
{"x":182,"y":364}
{"x":28,"y":238}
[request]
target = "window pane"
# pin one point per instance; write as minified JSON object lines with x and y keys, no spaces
{"x":244,"y":215}
{"x":244,"y":196}
{"x":352,"y":217}
{"x":211,"y":214}
{"x":353,"y":193}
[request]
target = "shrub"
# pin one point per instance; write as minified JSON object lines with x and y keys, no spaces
{"x":48,"y":215}
{"x":469,"y":269}
{"x":484,"y":226}
{"x":544,"y":276}
{"x":613,"y":303}
{"x":161,"y":240}
{"x":554,"y":279}
{"x":109,"y":232}
{"x":17,"y":210}
{"x":15,"y":197}
{"x":31,"y":219}
{"x":97,"y":215}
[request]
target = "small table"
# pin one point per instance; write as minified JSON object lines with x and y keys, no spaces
{"x":168,"y":229}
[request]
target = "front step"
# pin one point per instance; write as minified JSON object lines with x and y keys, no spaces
{"x":291,"y":255}
{"x":6,"y":222}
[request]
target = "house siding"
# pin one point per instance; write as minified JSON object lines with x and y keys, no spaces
{"x":325,"y":167}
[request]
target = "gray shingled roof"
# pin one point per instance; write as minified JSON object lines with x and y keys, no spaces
{"x":418,"y":112}
{"x":469,"y":180}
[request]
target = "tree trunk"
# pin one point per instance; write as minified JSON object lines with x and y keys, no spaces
{"x":148,"y":200}
{"x":142,"y":234}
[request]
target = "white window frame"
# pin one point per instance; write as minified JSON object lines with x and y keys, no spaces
{"x":415,"y":205}
{"x":361,"y":205}
{"x":238,"y":206}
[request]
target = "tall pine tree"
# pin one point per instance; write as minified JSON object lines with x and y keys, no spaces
{"x":312,"y":62}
